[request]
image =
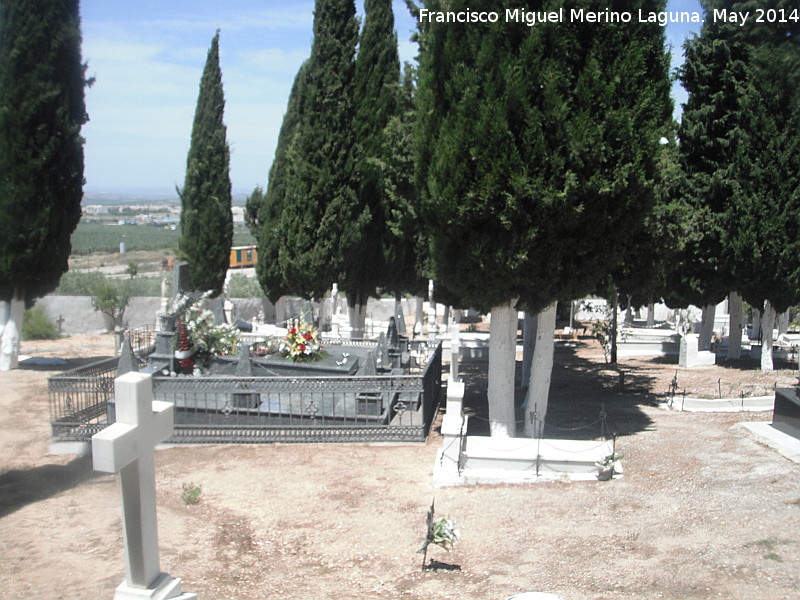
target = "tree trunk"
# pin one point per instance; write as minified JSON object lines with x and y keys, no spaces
{"x":736,"y":323}
{"x":651,"y":314}
{"x":502,"y":362}
{"x":783,"y":322}
{"x":767,"y":324}
{"x":706,"y":327}
{"x":755,"y":331}
{"x":614,"y":326}
{"x":357,"y":312}
{"x":528,"y":343}
{"x":11,"y":315}
{"x":541,"y":371}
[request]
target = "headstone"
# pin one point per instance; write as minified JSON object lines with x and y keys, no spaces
{"x":391,"y":334}
{"x":369,"y":368}
{"x":690,"y":356}
{"x":455,"y":350}
{"x":400,"y":321}
{"x":128,"y":447}
{"x":786,"y":414}
{"x":127,"y":361}
{"x":9,"y":346}
{"x":383,"y":351}
{"x":181,"y":284}
{"x":244,"y":367}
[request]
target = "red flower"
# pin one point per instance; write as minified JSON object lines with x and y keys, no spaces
{"x":302,"y":347}
{"x":307,"y":336}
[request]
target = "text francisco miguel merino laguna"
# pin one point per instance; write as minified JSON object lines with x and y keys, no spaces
{"x":531,"y":18}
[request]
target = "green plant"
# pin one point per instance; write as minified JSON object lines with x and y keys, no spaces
{"x":191,"y":493}
{"x":132,"y":270}
{"x":111,"y":300}
{"x":36,"y":325}
{"x":441,"y":532}
{"x":242,"y":286}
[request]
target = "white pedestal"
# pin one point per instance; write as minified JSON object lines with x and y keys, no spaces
{"x":163,"y":588}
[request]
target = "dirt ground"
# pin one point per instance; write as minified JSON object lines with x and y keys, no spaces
{"x":703,"y":511}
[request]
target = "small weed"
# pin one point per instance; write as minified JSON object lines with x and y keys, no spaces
{"x":769,"y":544}
{"x":795,"y":503}
{"x":191,"y":493}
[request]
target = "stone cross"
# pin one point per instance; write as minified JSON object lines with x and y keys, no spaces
{"x":60,"y":320}
{"x":128,"y":447}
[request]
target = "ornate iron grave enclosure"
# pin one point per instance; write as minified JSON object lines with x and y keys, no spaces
{"x":317,"y":404}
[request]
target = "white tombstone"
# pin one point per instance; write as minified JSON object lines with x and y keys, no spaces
{"x":128,"y":447}
{"x":690,"y":356}
{"x":454,"y":421}
{"x":455,"y":350}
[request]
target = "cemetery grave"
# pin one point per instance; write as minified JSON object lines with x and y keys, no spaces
{"x":703,"y":510}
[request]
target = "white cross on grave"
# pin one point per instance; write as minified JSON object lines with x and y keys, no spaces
{"x":128,"y":447}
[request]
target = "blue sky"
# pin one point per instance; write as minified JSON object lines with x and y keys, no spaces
{"x":148,"y":55}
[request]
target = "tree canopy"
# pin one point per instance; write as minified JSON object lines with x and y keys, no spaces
{"x":206,"y":219}
{"x":42,"y":109}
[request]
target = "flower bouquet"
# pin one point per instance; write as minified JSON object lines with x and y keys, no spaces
{"x":301,"y":343}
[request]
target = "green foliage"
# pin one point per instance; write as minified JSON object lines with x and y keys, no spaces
{"x":191,"y":493}
{"x":269,"y":214}
{"x":42,"y":109}
{"x":316,"y":193}
{"x":242,"y":286}
{"x":740,"y":147}
{"x":537,"y":151}
{"x":89,"y":238}
{"x":252,"y":210}
{"x":132,"y":270}
{"x":441,"y":532}
{"x":36,"y":325}
{"x":111,"y":300}
{"x":206,"y":220}
{"x":86,"y":283}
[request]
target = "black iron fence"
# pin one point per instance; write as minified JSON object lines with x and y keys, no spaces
{"x":79,"y":400}
{"x":262,"y":409}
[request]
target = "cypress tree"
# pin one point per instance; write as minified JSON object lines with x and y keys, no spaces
{"x":206,"y":219}
{"x":376,"y":80}
{"x":42,"y":109}
{"x":320,"y":187}
{"x":537,"y":156}
{"x":740,"y":145}
{"x":404,"y":245}
{"x":269,"y":233}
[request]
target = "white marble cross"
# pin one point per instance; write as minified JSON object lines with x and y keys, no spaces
{"x":128,"y":447}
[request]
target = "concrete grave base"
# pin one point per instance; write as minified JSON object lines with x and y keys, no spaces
{"x":488,"y":460}
{"x":786,"y":444}
{"x":163,"y":588}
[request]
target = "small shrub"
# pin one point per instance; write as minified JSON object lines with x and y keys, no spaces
{"x":242,"y":286}
{"x":191,"y":493}
{"x":36,"y":325}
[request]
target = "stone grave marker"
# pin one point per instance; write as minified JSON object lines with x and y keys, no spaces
{"x":128,"y":447}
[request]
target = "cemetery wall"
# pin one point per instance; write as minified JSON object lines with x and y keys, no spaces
{"x":80,"y":318}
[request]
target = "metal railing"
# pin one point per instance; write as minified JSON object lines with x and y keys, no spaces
{"x":79,"y":400}
{"x":262,"y":409}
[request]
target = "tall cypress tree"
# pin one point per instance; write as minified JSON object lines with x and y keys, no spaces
{"x":404,"y":244}
{"x":740,"y":146}
{"x":269,"y":228}
{"x":42,"y":109}
{"x":206,"y":219}
{"x":320,"y":186}
{"x":377,"y":76}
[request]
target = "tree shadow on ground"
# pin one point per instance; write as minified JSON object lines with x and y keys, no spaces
{"x":60,"y":364}
{"x":20,"y":487}
{"x":588,"y":400}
